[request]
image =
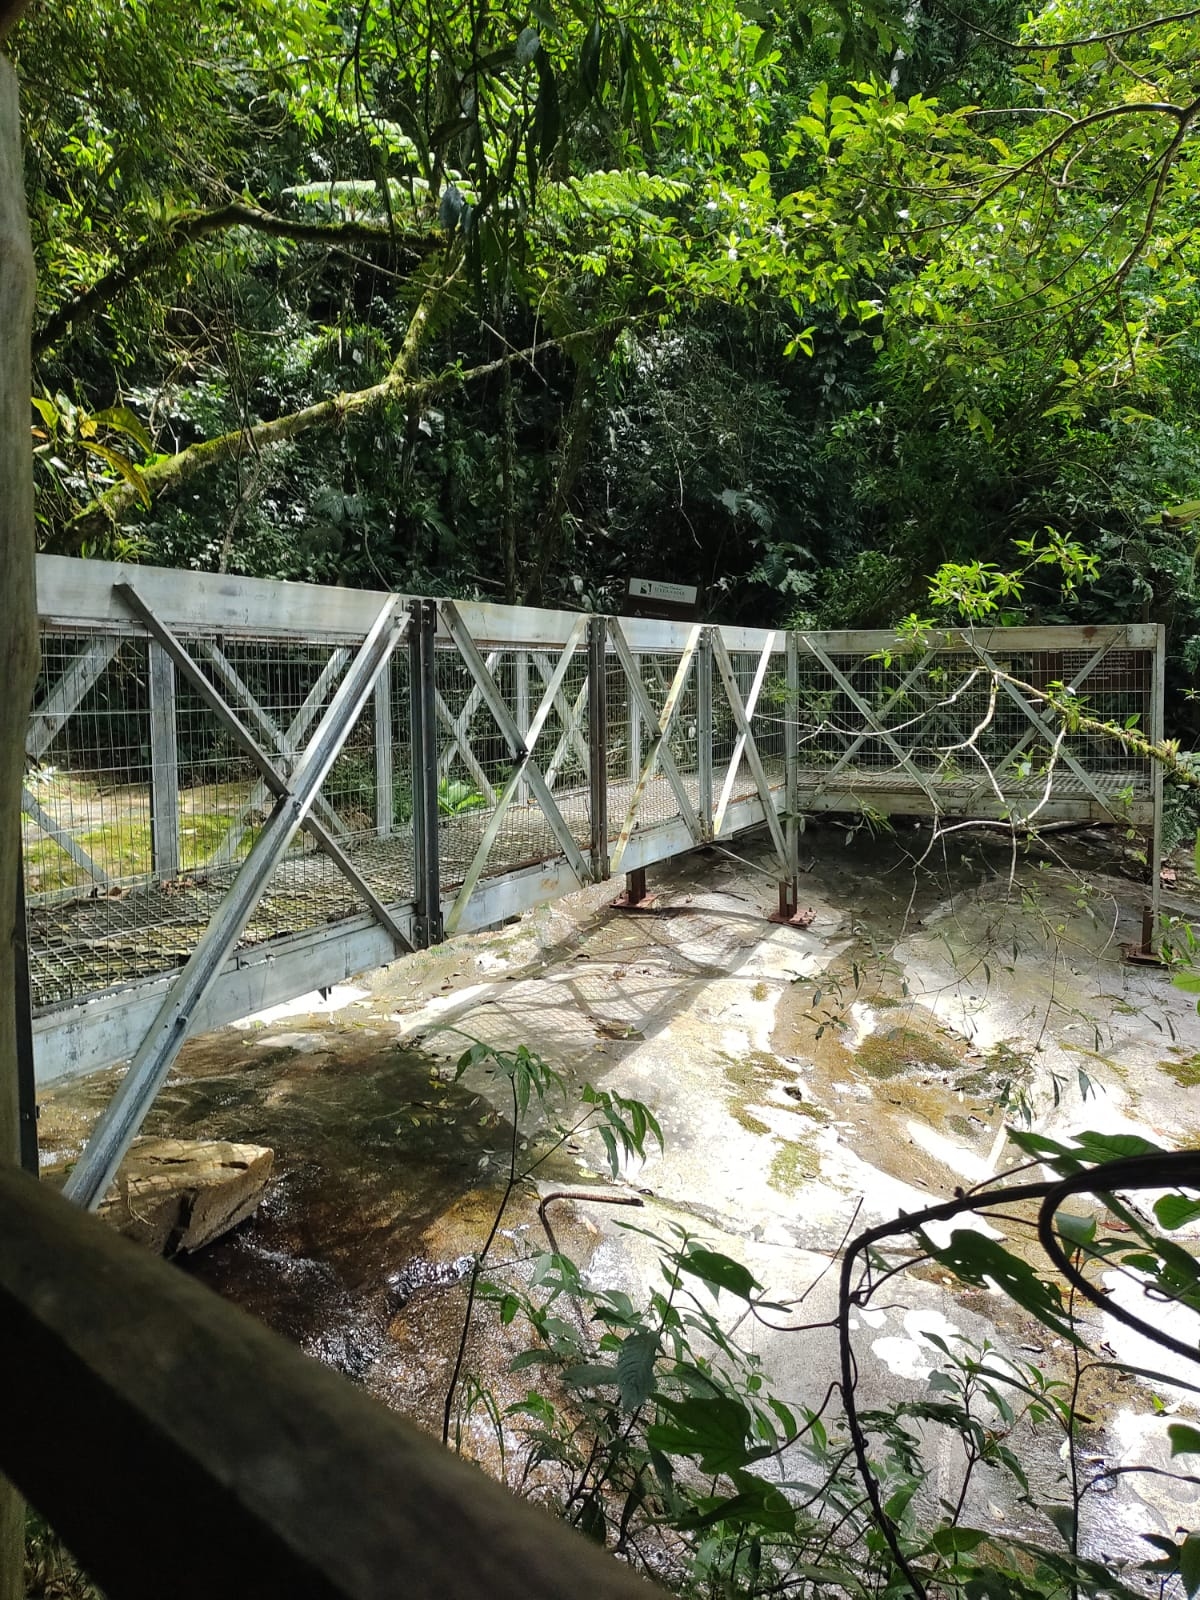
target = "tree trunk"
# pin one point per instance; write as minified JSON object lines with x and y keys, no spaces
{"x":573,"y":451}
{"x":18,"y":657}
{"x":508,"y":492}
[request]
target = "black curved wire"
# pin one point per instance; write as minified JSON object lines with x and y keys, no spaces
{"x":1170,"y":1170}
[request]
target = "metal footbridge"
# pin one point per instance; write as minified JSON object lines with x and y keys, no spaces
{"x":239,"y":791}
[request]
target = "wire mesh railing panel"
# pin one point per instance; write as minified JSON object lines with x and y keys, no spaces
{"x":768,"y":711}
{"x":142,"y":800}
{"x":477,"y":767}
{"x":86,"y":833}
{"x":973,"y":721}
{"x":141,"y":807}
{"x":85,"y":825}
{"x":658,"y":802}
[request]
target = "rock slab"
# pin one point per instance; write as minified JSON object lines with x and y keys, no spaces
{"x":176,"y":1195}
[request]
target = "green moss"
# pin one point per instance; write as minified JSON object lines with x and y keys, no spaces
{"x":792,"y":1166}
{"x":748,"y":1078}
{"x":892,"y":1051}
{"x":760,"y":991}
{"x":1186,"y":1073}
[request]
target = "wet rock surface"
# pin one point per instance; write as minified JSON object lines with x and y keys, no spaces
{"x":809,"y":1081}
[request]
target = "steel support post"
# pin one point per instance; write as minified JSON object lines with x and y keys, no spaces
{"x":598,"y":743}
{"x":636,"y":896}
{"x":423,"y":681}
{"x":635,"y":722}
{"x":385,"y":801}
{"x":164,"y":766}
{"x":522,"y":672}
{"x":789,"y":886}
{"x":704,"y":731}
{"x":122,"y":1117}
{"x":1158,"y":733}
{"x":27,"y":1109}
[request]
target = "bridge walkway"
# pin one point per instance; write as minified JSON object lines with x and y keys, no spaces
{"x":239,"y":791}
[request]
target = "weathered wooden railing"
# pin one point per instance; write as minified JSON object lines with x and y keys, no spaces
{"x":180,"y":1448}
{"x":240,"y":791}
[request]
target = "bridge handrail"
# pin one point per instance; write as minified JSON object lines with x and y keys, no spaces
{"x":181,"y":1448}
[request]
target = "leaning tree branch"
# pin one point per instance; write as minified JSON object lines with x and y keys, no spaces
{"x":399,"y":386}
{"x":1165,"y":751}
{"x":190,"y":227}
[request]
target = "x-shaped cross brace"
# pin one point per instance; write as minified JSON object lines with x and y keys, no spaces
{"x":272,"y":777}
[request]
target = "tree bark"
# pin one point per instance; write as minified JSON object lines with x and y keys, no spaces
{"x":18,"y":656}
{"x":573,"y":450}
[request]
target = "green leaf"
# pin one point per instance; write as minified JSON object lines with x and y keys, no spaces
{"x":1075,"y":1230}
{"x":719,"y":1272}
{"x":635,"y":1369}
{"x":715,"y":1430}
{"x":1063,"y":1518}
{"x":125,"y":421}
{"x":1175,"y":1210}
{"x":955,"y":1541}
{"x":120,"y":465}
{"x":589,"y":61}
{"x":757,"y":1504}
{"x":1185,"y":1440}
{"x":590,"y":1376}
{"x":1114,"y":1146}
{"x":1189,"y":1564}
{"x":977,"y":1259}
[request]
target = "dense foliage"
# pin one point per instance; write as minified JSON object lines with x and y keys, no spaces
{"x":798,"y":301}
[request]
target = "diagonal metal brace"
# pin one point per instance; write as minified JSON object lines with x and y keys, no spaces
{"x":741,"y":716}
{"x":659,"y":754}
{"x":875,"y":728}
{"x":123,"y":1116}
{"x":63,"y":699}
{"x":1047,"y":732}
{"x":521,"y":744}
{"x":226,"y":851}
{"x":271,"y":775}
{"x":275,"y":740}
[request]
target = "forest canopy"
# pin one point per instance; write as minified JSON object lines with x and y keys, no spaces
{"x":798,"y":302}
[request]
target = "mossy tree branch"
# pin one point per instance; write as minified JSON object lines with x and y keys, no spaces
{"x":192,"y":226}
{"x":401,"y":386}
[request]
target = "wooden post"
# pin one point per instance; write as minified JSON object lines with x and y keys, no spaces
{"x":18,"y":653}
